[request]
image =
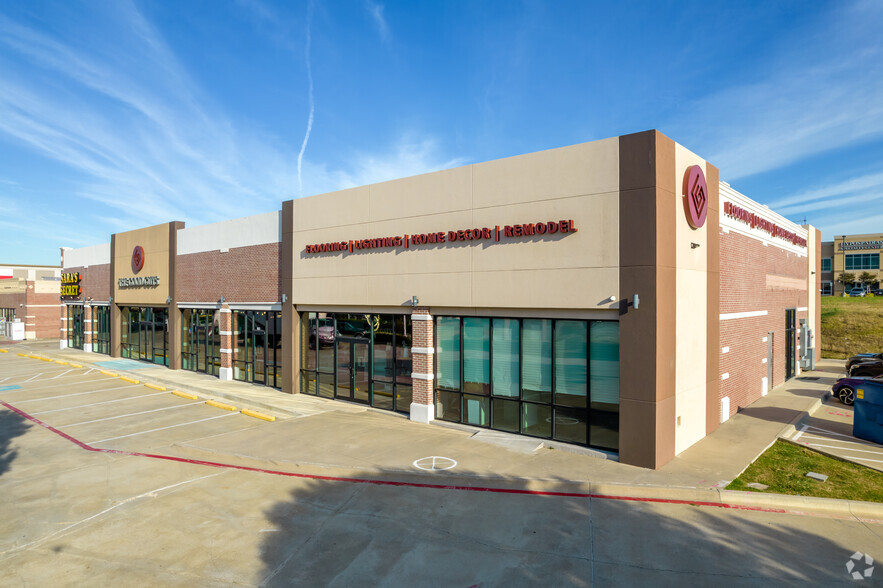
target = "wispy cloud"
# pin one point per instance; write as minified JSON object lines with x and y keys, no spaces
{"x":814,"y":96}
{"x":303,"y":147}
{"x":376,"y":12}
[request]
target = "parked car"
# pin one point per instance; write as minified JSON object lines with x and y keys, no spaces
{"x":867,"y":369}
{"x":862,"y":358}
{"x":857,"y":292}
{"x":844,"y":388}
{"x":878,"y":292}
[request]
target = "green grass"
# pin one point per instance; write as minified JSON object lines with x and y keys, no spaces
{"x":783,"y":467}
{"x":851,"y":325}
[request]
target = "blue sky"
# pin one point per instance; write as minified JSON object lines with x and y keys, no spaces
{"x":118,"y":115}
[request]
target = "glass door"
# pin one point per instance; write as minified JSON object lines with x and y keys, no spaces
{"x":101,"y":329}
{"x":259,"y":344}
{"x":353,"y":376}
{"x":76,"y":324}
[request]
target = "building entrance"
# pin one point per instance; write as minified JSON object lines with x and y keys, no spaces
{"x":76,"y":334}
{"x":144,"y":334}
{"x":257,"y":351}
{"x":353,"y":378}
{"x":201,"y":341}
{"x":790,"y":343}
{"x":101,"y":329}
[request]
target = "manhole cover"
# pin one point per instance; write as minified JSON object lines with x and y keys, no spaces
{"x":434,"y":463}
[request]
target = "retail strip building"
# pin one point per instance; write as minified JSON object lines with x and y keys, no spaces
{"x":613,"y":294}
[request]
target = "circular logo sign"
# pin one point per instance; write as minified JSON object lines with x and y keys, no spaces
{"x":695,"y":196}
{"x":137,"y":259}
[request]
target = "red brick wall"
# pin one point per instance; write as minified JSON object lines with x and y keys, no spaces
{"x":95,"y":282}
{"x":243,"y":274}
{"x":747,"y":267}
{"x":41,"y":314}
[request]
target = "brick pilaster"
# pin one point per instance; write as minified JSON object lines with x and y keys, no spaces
{"x":226,"y":324}
{"x":62,"y":337}
{"x":87,"y":327}
{"x":423,"y":365}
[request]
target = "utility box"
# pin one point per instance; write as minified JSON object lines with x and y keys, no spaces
{"x":867,"y":423}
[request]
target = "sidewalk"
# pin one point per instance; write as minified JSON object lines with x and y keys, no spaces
{"x":336,"y":438}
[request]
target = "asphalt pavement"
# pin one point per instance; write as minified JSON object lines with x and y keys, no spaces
{"x":339,"y":439}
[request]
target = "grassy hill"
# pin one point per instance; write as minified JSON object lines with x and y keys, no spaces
{"x":851,"y":325}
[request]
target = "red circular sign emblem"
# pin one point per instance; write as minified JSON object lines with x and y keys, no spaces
{"x":137,"y":259}
{"x":695,"y":196}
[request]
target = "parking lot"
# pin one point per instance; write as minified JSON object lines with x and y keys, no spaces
{"x":829,"y":430}
{"x":104,"y":410}
{"x":107,"y":481}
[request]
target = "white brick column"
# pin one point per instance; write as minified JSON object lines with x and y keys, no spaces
{"x":423,"y":366}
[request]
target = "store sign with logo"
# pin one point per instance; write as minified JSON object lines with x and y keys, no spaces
{"x":853,"y":245}
{"x":70,"y":284}
{"x":695,"y":196}
{"x":137,"y":259}
{"x":407,"y":241}
{"x":138,"y":282}
{"x":758,"y":222}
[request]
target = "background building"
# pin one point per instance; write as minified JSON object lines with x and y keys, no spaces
{"x":29,"y":295}
{"x":855,"y":254}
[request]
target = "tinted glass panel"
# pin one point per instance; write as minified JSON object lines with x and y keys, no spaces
{"x":570,"y":425}
{"x":476,"y":356}
{"x":383,"y":395}
{"x":448,"y":353}
{"x":536,"y":366}
{"x":536,"y":419}
{"x":570,"y":363}
{"x":506,"y":381}
{"x":448,"y":406}
{"x":505,"y":415}
{"x":403,"y":398}
{"x":476,"y":410}
{"x":604,"y":363}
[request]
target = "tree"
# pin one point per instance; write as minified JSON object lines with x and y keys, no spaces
{"x":846,"y":278}
{"x":867,"y":278}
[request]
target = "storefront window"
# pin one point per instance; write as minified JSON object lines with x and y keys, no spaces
{"x":76,"y":328}
{"x":144,"y":334}
{"x":363,"y":358}
{"x":101,"y":329}
{"x":257,"y":347}
{"x":862,"y":261}
{"x":826,"y":264}
{"x":555,"y":379}
{"x":536,"y":363}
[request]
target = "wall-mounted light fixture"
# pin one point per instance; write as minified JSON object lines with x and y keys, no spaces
{"x":611,"y":299}
{"x":284,"y":298}
{"x":110,"y":300}
{"x":414,"y":301}
{"x":694,"y":245}
{"x":222,"y":300}
{"x":169,"y":300}
{"x":635,"y":301}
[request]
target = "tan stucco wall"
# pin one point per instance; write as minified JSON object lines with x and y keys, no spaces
{"x":155,"y":242}
{"x":575,"y":270}
{"x":691,"y":313}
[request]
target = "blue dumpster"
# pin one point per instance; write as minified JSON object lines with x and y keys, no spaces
{"x":867,"y":423}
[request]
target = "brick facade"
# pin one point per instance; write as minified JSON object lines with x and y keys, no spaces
{"x":756,"y":277}
{"x":243,"y":274}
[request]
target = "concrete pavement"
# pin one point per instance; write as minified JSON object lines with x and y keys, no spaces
{"x":335,"y":438}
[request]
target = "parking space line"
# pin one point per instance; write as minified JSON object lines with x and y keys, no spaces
{"x":821,"y":438}
{"x":120,"y":416}
{"x":799,"y":433}
{"x":69,"y":395}
{"x":880,"y":453}
{"x":61,"y":374}
{"x":33,"y":377}
{"x":163,"y":428}
{"x":864,"y":459}
{"x":831,"y":432}
{"x":94,"y":404}
{"x":35,"y":388}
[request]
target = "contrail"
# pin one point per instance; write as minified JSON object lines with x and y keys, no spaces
{"x":303,"y":147}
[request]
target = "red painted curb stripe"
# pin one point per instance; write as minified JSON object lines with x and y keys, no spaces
{"x":215,"y":464}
